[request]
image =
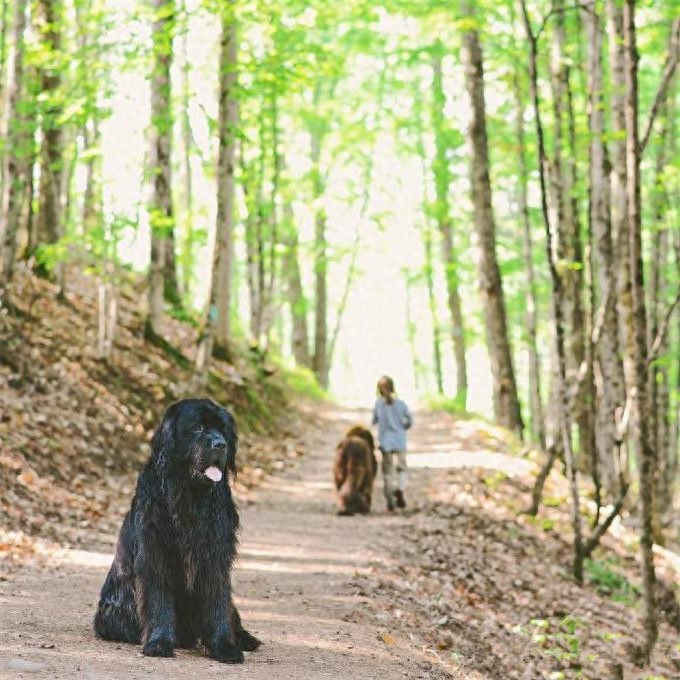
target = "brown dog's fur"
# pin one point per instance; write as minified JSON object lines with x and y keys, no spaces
{"x":354,"y":470}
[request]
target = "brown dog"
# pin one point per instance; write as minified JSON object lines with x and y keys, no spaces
{"x":354,"y":469}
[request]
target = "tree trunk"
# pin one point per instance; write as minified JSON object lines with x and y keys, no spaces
{"x":92,"y":197}
{"x":442,"y":182}
{"x":319,"y":361}
{"x":16,"y":161}
{"x":434,"y":316}
{"x":535,"y":402}
{"x":506,"y":402}
{"x":659,"y":393}
{"x":619,"y":226}
{"x":411,"y":326}
{"x":607,"y":354}
{"x":215,"y":335}
{"x":162,"y":273}
{"x":107,"y":311}
{"x":28,"y":218}
{"x":73,"y":151}
{"x":320,"y":356}
{"x":4,"y":23}
{"x":674,"y":443}
{"x":666,"y":80}
{"x":261,"y":186}
{"x":558,"y":308}
{"x":580,"y":313}
{"x":295,"y":291}
{"x":568,"y":241}
{"x":659,"y":397}
{"x":272,"y":278}
{"x":428,"y":265}
{"x":89,"y":39}
{"x":51,"y":189}
{"x":642,"y":434}
{"x":220,"y":294}
{"x":252,"y":174}
{"x":187,"y":257}
{"x":4,"y":100}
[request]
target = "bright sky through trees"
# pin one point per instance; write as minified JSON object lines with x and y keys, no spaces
{"x":372,"y":338}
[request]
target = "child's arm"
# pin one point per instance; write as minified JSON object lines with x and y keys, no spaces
{"x":406,"y":419}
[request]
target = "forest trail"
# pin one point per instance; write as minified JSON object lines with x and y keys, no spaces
{"x":295,"y":583}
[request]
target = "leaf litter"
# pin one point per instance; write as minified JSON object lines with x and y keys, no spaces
{"x":485,"y":590}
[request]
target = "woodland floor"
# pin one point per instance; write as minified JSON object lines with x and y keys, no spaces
{"x":459,"y":585}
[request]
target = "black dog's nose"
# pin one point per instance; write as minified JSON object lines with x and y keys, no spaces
{"x":217,"y":441}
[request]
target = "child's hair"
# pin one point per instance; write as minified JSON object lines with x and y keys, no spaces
{"x":385,"y":388}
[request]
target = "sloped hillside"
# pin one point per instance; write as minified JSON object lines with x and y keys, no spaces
{"x":74,"y":428}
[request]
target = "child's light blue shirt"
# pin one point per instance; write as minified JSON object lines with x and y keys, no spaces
{"x":392,"y":420}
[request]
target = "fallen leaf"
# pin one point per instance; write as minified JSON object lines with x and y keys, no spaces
{"x":387,"y":638}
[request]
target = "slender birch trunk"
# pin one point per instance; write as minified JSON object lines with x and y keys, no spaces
{"x":224,"y":230}
{"x":442,"y":181}
{"x":295,"y":292}
{"x":186,"y":247}
{"x":619,"y":227}
{"x":215,"y":337}
{"x":51,"y":191}
{"x":427,"y":249}
{"x":92,"y":196}
{"x":320,"y":354}
{"x":568,"y":243}
{"x":611,"y":397}
{"x":558,"y":309}
{"x":642,"y":435}
{"x":505,"y":399}
{"x":15,"y":162}
{"x":4,"y":99}
{"x":535,"y":401}
{"x":162,"y":272}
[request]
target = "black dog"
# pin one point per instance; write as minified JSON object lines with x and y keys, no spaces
{"x":169,"y":584}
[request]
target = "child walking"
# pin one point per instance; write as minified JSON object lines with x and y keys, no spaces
{"x":393,"y":418}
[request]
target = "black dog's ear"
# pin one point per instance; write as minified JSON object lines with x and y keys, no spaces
{"x":164,"y":437}
{"x":231,"y":436}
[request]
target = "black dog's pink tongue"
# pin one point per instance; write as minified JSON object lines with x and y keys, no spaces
{"x":213,"y":473}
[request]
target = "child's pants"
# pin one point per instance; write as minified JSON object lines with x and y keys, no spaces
{"x":394,"y":473}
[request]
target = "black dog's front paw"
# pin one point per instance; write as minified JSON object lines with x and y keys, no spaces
{"x":225,"y":652}
{"x":158,"y":645}
{"x":247,"y":642}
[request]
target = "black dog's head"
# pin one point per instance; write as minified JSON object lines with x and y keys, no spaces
{"x":196,"y":437}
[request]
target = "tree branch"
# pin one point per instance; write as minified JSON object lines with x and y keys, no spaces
{"x":587,"y":6}
{"x":600,"y":530}
{"x":594,"y":339}
{"x":622,"y":417}
{"x":537,"y":491}
{"x":661,"y":334}
{"x":668,"y":72}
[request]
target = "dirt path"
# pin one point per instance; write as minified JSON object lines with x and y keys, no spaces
{"x":449,"y":588}
{"x":295,"y":583}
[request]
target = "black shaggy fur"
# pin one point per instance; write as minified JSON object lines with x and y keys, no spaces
{"x":169,"y":585}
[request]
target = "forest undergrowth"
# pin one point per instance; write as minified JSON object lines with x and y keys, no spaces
{"x":74,"y":429}
{"x":487,"y":587}
{"x":491,"y":590}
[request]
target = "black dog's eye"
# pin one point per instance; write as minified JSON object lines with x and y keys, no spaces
{"x":197,"y":429}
